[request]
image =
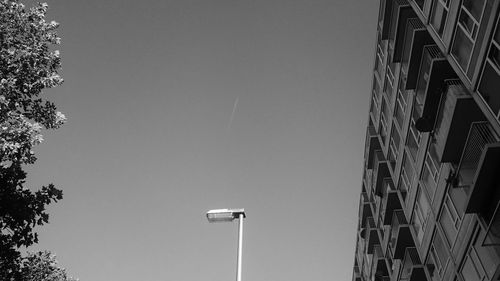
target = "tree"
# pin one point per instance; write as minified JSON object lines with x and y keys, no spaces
{"x":42,"y":266}
{"x":28,"y":65}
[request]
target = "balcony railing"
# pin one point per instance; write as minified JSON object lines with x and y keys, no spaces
{"x":416,"y":37}
{"x":360,"y":252}
{"x":365,"y":209}
{"x":434,"y":69}
{"x":371,"y":146}
{"x":367,"y":260}
{"x":376,"y":99}
{"x":368,"y":178}
{"x":401,"y":237}
{"x":412,"y":269}
{"x":401,"y":12}
{"x":390,"y":202}
{"x":492,"y":237}
{"x":480,"y":134}
{"x":456,"y":113}
{"x":380,"y":57}
{"x":478,"y":168}
{"x":380,"y":172}
{"x":379,"y":264}
{"x":356,"y":273}
{"x":385,"y":17}
{"x":372,"y":236}
{"x":413,"y":26}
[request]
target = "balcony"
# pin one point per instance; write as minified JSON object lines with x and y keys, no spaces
{"x":380,"y":172}
{"x":372,"y":237}
{"x":392,"y":201}
{"x":356,"y":272}
{"x":456,"y":113}
{"x":360,"y":253}
{"x":413,"y":269}
{"x":365,"y":209}
{"x":367,"y":182}
{"x":367,"y":260}
{"x":479,"y":166}
{"x":384,"y":120}
{"x":401,"y":12}
{"x":371,"y":145}
{"x":380,"y":268}
{"x":416,"y":37}
{"x":492,"y":237}
{"x":385,"y":18}
{"x":375,"y":102}
{"x":434,"y":69}
{"x":400,"y":235}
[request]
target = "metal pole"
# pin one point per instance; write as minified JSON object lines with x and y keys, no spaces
{"x":240,"y":247}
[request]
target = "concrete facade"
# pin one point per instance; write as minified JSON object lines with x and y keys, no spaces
{"x":431,"y":181}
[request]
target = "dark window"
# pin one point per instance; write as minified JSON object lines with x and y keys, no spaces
{"x":462,"y":48}
{"x":439,"y":14}
{"x":430,"y":171}
{"x":420,"y":4}
{"x":490,"y":79}
{"x":423,"y":78}
{"x":467,"y":30}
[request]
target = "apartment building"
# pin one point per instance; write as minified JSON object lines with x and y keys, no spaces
{"x":430,"y":191}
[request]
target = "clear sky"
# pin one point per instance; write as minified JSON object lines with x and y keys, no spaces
{"x":178,"y":107}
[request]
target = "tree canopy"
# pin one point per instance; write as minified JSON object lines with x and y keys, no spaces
{"x":29,"y":64}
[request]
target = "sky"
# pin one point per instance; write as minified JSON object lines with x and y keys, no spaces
{"x":178,"y":107}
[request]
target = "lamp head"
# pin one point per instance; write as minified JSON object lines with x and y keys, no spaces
{"x":224,"y":215}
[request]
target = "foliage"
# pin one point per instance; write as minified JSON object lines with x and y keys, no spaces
{"x":28,"y":65}
{"x":42,"y":266}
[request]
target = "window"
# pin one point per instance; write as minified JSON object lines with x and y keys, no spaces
{"x":438,"y":257}
{"x":439,"y":14}
{"x":373,"y":109}
{"x":469,"y":20}
{"x":450,"y":220}
{"x":376,"y":89}
{"x":488,"y":255}
{"x":472,"y":269}
{"x":401,"y":103}
{"x":430,"y":171}
{"x":414,"y":136}
{"x":462,"y":48}
{"x":389,"y":83}
{"x":407,"y":174}
{"x":421,"y":214}
{"x":459,"y":198}
{"x":423,"y":78}
{"x":394,"y":146}
{"x":384,"y":120}
{"x":379,"y":62}
{"x":490,"y":79}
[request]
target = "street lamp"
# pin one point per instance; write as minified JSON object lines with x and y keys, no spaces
{"x":227,"y":215}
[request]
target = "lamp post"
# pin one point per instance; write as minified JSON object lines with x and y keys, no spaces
{"x":228,"y":215}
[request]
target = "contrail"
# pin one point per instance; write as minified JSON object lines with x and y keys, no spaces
{"x":232,"y":113}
